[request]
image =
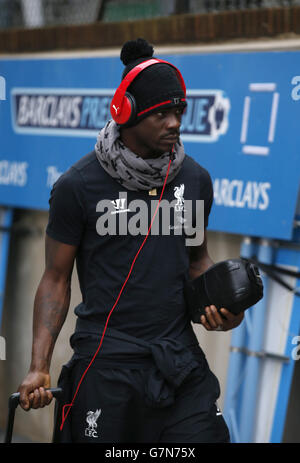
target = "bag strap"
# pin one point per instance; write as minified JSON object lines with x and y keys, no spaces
{"x":272,"y":271}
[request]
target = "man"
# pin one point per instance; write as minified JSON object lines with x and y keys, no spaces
{"x":137,"y":373}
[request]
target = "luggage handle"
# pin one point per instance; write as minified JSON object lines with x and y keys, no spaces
{"x":13,"y":402}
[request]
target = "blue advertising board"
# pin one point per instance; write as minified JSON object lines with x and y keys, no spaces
{"x":241,"y":124}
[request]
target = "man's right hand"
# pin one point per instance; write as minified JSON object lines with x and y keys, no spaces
{"x":32,"y":390}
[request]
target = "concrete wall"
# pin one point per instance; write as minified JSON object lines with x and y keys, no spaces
{"x":26,"y":265}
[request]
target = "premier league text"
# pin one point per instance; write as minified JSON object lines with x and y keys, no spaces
{"x":67,"y":112}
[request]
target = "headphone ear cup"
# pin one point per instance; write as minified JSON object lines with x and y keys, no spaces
{"x":128,"y":111}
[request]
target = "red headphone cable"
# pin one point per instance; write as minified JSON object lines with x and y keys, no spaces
{"x":68,"y":406}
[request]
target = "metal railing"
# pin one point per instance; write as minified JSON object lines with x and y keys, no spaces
{"x":41,"y":13}
{"x":222,"y":5}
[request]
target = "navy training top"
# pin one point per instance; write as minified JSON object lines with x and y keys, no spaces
{"x":91,"y":210}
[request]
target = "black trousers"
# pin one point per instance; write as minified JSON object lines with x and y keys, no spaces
{"x":110,"y":408}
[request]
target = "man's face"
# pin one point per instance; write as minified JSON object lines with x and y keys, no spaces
{"x":157,"y":133}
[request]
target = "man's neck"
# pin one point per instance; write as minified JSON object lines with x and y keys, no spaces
{"x":140,"y":150}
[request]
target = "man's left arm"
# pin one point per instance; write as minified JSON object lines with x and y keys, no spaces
{"x":200,"y":261}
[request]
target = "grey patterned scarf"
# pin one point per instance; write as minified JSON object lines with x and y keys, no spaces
{"x":129,"y":169}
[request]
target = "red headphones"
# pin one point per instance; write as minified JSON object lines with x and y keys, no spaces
{"x":123,"y":105}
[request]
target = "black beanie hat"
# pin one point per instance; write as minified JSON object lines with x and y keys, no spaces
{"x":156,"y":85}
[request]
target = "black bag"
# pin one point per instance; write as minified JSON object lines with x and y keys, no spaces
{"x":234,"y":284}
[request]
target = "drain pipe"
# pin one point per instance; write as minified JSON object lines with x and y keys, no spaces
{"x":254,"y":349}
{"x":6,"y":218}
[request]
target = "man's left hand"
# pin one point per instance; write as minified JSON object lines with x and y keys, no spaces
{"x":221,"y":320}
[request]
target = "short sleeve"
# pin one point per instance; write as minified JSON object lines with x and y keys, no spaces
{"x":67,"y":212}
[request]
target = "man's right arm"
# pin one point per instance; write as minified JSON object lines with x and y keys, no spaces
{"x":51,"y":306}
